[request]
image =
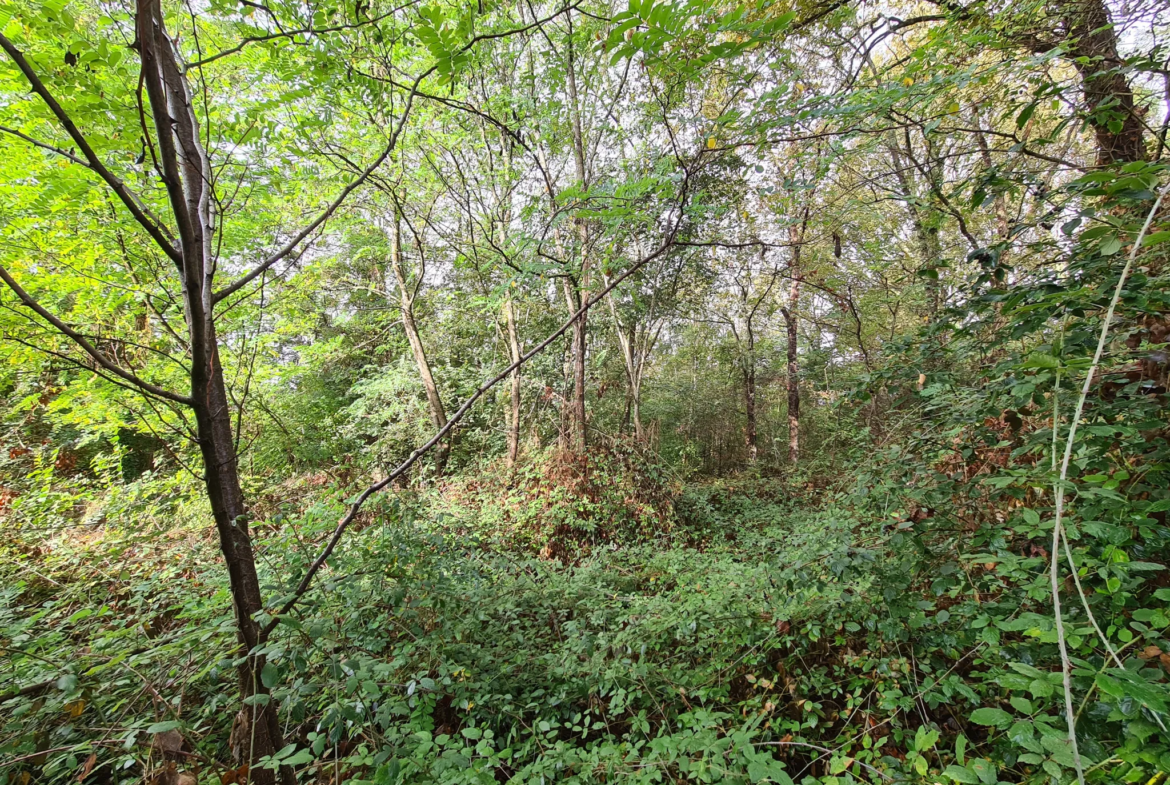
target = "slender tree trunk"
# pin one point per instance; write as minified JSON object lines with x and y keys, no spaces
{"x":573,"y":407}
{"x":187,"y":177}
{"x":1002,"y":222}
{"x":749,"y":405}
{"x":636,"y":407}
{"x":792,"y":380}
{"x":626,"y":342}
{"x":580,"y":327}
{"x":514,"y":397}
{"x":925,"y":228}
{"x":256,"y":731}
{"x":750,"y":438}
{"x":406,"y":296}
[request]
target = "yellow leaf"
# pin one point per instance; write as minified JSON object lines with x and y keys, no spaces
{"x":711,"y":143}
{"x":954,"y":107}
{"x":907,"y":81}
{"x":74,"y":708}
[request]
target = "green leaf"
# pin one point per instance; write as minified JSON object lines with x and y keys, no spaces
{"x":1110,"y":245}
{"x":1023,"y":117}
{"x":1041,"y":688}
{"x":1022,"y":705}
{"x":961,"y":774}
{"x":1023,"y":733}
{"x":163,"y":727}
{"x":269,"y":675}
{"x":989,"y":716}
{"x":300,"y":759}
{"x":984,"y":770}
{"x":1040,"y":360}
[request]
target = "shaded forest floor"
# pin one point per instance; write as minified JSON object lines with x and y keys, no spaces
{"x":652,"y":631}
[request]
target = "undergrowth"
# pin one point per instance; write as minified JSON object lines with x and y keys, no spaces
{"x":762,"y":641}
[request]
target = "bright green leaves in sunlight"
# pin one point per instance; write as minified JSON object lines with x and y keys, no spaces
{"x":698,"y":29}
{"x":447,"y":38}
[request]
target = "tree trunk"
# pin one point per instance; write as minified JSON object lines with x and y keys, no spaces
{"x":579,"y":340}
{"x":406,"y":297}
{"x":576,"y":434}
{"x":749,"y":405}
{"x":626,"y":342}
{"x":514,"y":389}
{"x":580,"y":327}
{"x":925,"y":227}
{"x":515,"y":397}
{"x":1108,"y":96}
{"x":187,"y":177}
{"x":792,"y":380}
{"x":636,"y":406}
{"x":256,"y":731}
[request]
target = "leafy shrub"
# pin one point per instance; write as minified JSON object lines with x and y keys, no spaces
{"x":563,"y":506}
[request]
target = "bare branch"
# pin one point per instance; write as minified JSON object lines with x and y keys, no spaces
{"x":255,"y":39}
{"x":79,"y":339}
{"x":44,"y":146}
{"x":291,"y":245}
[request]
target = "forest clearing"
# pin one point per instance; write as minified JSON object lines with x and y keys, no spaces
{"x":584,"y":391}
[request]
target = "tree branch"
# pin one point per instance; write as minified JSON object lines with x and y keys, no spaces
{"x":88,"y":347}
{"x":157,"y":230}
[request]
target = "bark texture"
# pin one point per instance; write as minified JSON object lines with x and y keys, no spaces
{"x":792,"y":377}
{"x":407,"y":292}
{"x":187,"y":177}
{"x":1109,"y":98}
{"x":514,"y":393}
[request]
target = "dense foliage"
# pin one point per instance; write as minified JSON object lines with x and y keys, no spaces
{"x":589,"y":392}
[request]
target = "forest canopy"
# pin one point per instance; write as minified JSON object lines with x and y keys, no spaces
{"x":584,"y":391}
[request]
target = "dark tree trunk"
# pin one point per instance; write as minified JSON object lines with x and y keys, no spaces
{"x":579,"y":438}
{"x":792,"y":377}
{"x":573,"y":420}
{"x":1090,"y":43}
{"x":580,"y":327}
{"x":257,"y":729}
{"x":187,"y":177}
{"x":749,"y":405}
{"x":1108,"y":96}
